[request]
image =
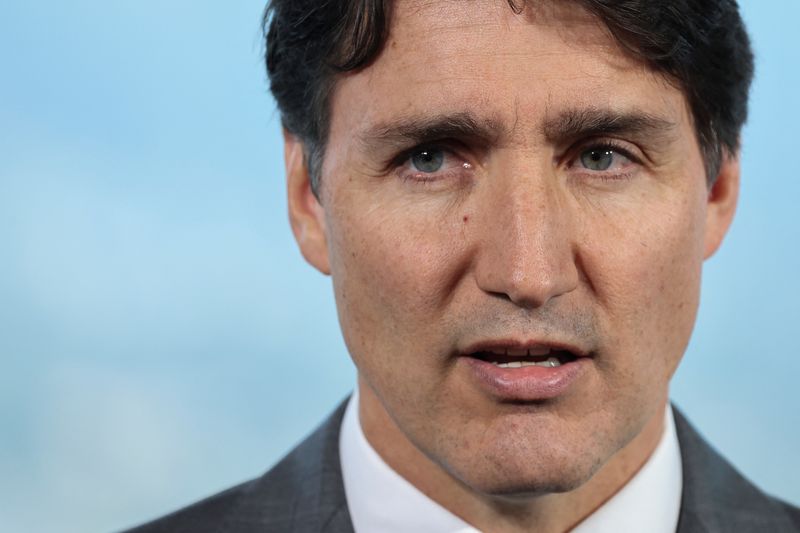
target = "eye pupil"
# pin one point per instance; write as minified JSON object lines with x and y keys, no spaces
{"x":427,"y":160}
{"x":598,"y":159}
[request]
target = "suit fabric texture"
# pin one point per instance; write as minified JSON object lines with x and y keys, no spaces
{"x":304,"y":493}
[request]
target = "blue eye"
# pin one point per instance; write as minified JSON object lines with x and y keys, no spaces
{"x":598,"y":159}
{"x":428,"y":160}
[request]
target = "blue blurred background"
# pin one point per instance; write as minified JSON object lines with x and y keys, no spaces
{"x":161,"y":337}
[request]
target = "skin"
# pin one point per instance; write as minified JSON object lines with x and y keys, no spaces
{"x":515,"y":239}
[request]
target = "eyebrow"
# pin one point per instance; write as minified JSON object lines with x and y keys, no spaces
{"x":595,"y":122}
{"x":565,"y":126}
{"x":420,"y":129}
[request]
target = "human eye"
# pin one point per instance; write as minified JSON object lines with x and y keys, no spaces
{"x":605,"y":160}
{"x":431,"y":163}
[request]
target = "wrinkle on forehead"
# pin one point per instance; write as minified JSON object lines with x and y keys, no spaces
{"x":568,"y":17}
{"x":445,"y":33}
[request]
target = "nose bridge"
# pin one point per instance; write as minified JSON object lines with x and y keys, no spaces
{"x":527,"y":249}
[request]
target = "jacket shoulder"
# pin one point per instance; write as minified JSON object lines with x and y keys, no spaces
{"x":302,"y":492}
{"x":794,"y":514}
{"x":717,"y":497}
{"x":203,"y":516}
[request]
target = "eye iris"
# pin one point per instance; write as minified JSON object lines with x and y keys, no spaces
{"x":598,"y":159}
{"x":428,"y":160}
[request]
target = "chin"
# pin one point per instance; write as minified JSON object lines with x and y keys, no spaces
{"x":507,"y":477}
{"x":527,"y":456}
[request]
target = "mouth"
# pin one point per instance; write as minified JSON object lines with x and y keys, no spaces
{"x":526,"y":371}
{"x":524,"y":357}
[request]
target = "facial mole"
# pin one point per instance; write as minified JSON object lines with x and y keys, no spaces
{"x":466,"y":219}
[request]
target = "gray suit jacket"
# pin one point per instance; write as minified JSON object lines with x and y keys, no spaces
{"x":304,"y":493}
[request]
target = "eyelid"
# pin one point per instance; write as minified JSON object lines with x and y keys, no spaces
{"x":400,"y":164}
{"x":449,"y":147}
{"x":623,"y":148}
{"x":452,"y":148}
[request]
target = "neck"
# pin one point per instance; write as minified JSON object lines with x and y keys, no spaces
{"x":545,"y":513}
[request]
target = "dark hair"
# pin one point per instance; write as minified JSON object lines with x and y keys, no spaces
{"x":700,"y":44}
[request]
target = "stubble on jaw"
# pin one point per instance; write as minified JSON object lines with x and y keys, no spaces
{"x":534,"y":507}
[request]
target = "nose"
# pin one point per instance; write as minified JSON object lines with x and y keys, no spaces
{"x":526,"y":251}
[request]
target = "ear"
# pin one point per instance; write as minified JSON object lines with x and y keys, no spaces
{"x":306,"y":214}
{"x":722,"y":199}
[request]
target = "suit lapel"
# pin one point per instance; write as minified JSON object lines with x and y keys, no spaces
{"x":716,"y":498}
{"x":304,"y":492}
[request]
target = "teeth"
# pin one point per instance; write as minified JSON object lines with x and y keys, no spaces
{"x":551,"y":362}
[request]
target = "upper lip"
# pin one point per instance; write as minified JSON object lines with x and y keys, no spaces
{"x":512,"y":347}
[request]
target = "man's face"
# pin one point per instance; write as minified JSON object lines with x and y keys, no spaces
{"x":511,"y":188}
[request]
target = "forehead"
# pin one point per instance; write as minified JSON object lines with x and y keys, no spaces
{"x":516,"y":69}
{"x":456,"y":26}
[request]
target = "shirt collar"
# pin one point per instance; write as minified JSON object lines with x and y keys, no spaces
{"x":651,"y":500}
{"x":379,"y":499}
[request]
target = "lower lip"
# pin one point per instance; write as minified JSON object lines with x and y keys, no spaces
{"x":529,"y":383}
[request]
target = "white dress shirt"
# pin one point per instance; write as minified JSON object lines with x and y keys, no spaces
{"x":382,"y":501}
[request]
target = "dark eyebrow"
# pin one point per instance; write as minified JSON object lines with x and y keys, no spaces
{"x":595,"y":122}
{"x":421,"y":129}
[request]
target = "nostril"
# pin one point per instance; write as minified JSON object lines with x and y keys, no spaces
{"x":530,"y":284}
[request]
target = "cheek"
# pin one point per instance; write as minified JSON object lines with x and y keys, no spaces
{"x":646,"y":276}
{"x":393,"y":268}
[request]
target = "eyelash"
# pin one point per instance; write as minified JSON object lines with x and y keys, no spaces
{"x":612,"y":146}
{"x":404,"y":158}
